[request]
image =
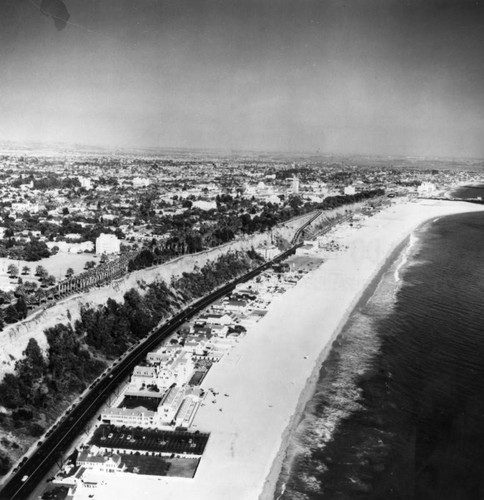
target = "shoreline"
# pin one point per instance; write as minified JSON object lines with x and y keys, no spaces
{"x":272,"y":481}
{"x":461,"y":185}
{"x":400,"y":252}
{"x":270,"y":375}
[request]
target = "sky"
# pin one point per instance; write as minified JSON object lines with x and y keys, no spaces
{"x":396,"y":77}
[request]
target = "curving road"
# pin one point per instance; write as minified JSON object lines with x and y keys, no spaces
{"x":34,"y":469}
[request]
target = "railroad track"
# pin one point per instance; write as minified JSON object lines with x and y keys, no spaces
{"x":57,"y":443}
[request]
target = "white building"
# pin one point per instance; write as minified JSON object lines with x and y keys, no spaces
{"x":133,"y":417}
{"x":93,"y":459}
{"x":85,"y":182}
{"x":169,"y":406}
{"x":295,"y":184}
{"x":107,"y":243}
{"x":141,"y":182}
{"x":274,"y":199}
{"x":349,"y":190}
{"x":176,"y":371}
{"x":155,"y":358}
{"x":178,"y":405}
{"x":235,"y":305}
{"x":73,"y":236}
{"x":169,"y":370}
{"x":250,"y":190}
{"x":204,"y":205}
{"x":186,"y":412}
{"x":217,"y":319}
{"x":426,"y":188}
{"x":268,"y":252}
{"x":146,"y":375}
{"x":32,"y":208}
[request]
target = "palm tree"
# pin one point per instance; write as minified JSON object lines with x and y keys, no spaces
{"x":69,"y":272}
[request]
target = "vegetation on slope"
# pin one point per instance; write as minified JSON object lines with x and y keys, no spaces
{"x":42,"y":387}
{"x":238,"y":218}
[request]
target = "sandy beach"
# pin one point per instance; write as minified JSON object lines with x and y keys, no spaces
{"x":265,"y":380}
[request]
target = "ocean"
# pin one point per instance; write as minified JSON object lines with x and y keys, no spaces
{"x":398,"y":411}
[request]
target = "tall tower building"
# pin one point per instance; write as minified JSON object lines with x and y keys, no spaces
{"x":295,"y":184}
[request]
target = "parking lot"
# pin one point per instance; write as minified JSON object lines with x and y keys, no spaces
{"x":150,"y":440}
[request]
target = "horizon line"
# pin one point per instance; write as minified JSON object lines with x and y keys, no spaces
{"x":159,"y":149}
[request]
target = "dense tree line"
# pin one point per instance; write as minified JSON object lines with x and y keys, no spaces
{"x":213,"y":274}
{"x":233,"y":216}
{"x":143,"y":259}
{"x":31,"y":251}
{"x":41,"y":383}
{"x":112,"y":328}
{"x":16,"y":311}
{"x":88,"y":227}
{"x":49,"y":181}
{"x":5,"y":463}
{"x":332,"y":202}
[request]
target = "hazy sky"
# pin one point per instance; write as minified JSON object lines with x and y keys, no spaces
{"x":356,"y":76}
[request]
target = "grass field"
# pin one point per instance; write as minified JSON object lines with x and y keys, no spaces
{"x":56,"y":265}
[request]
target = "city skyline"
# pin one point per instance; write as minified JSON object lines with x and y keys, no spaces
{"x":318,"y":77}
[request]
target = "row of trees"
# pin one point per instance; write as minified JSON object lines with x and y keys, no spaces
{"x":40,"y":271}
{"x":112,"y":328}
{"x":88,"y":227}
{"x":17,"y":310}
{"x":214,"y":230}
{"x":49,"y":181}
{"x":15,"y":303}
{"x":187,"y":240}
{"x":196,"y":229}
{"x":43,"y":384}
{"x":332,"y":202}
{"x":31,"y":251}
{"x":39,"y":384}
{"x":46,"y":279}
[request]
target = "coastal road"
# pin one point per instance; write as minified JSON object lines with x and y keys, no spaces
{"x":57,"y":443}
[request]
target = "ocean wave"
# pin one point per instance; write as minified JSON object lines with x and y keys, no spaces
{"x":402,"y":389}
{"x":339,"y":395}
{"x":336,"y":398}
{"x":404,"y":259}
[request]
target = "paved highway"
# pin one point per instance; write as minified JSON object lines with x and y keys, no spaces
{"x":63,"y":435}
